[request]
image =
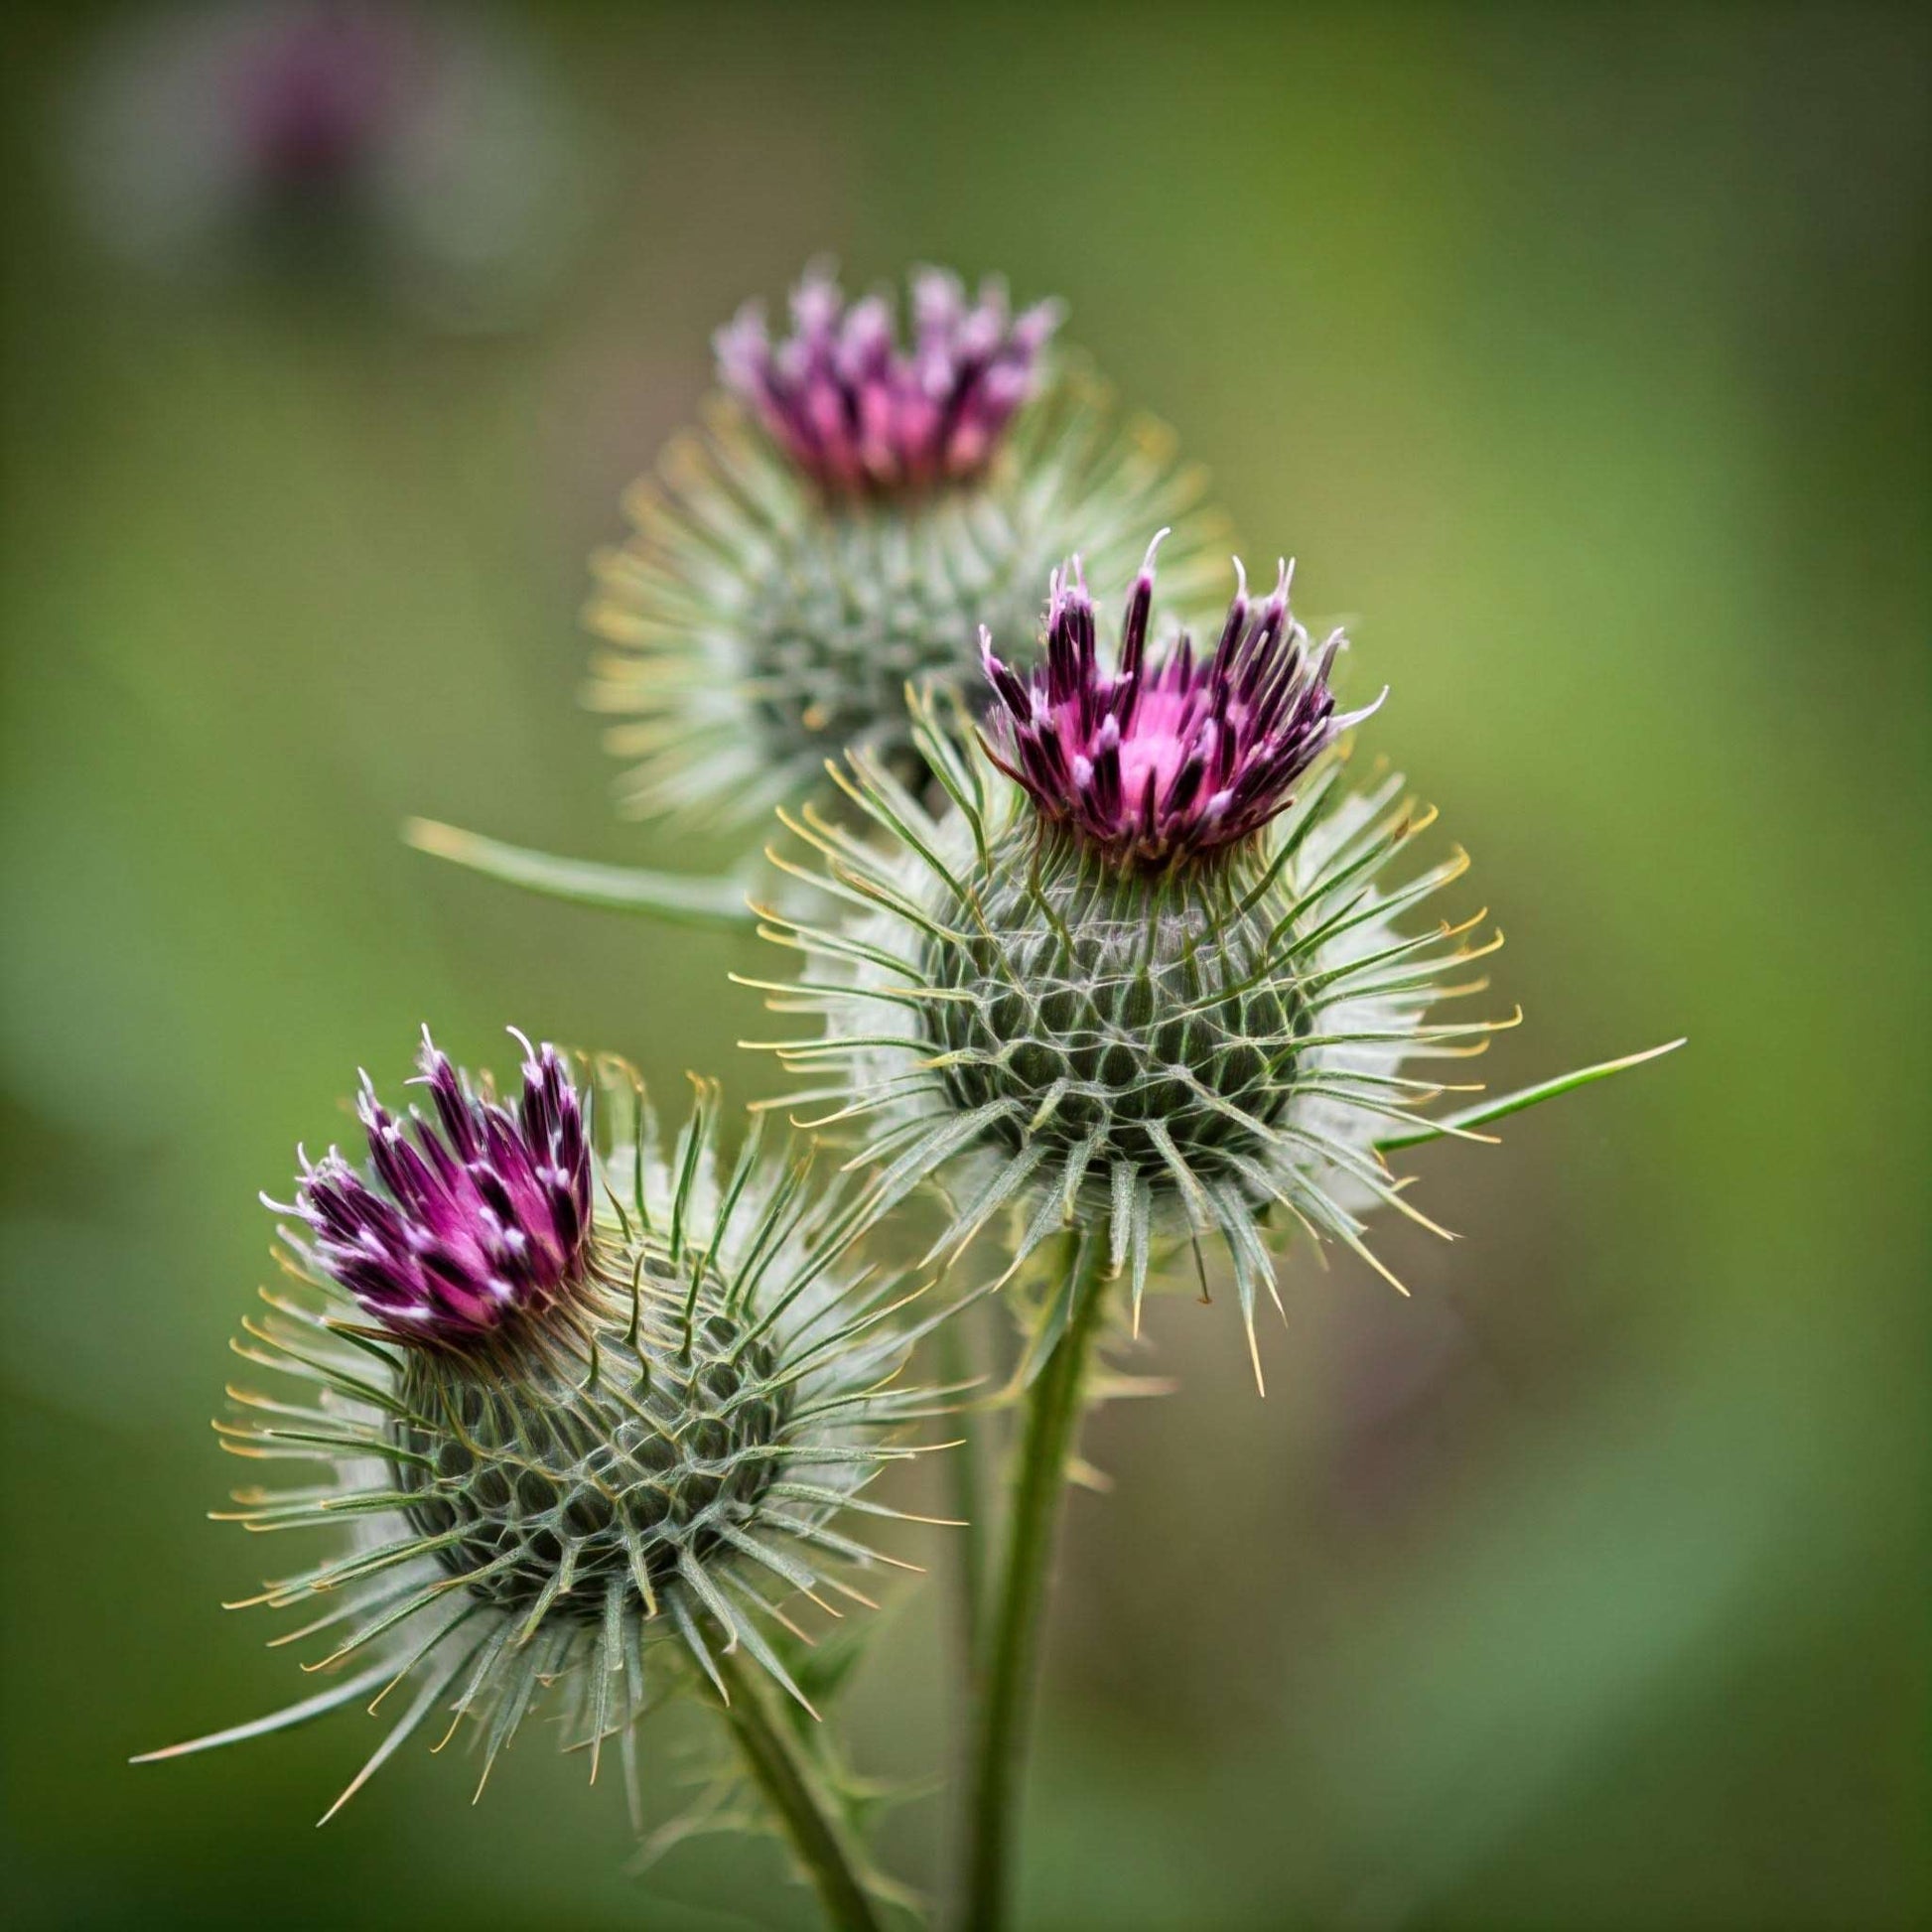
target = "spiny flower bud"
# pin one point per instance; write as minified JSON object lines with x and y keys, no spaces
{"x":603,"y":1402}
{"x":851,"y":514}
{"x":1138,"y":986}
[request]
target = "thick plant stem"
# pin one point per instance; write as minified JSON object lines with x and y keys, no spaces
{"x":1003,"y":1720}
{"x":794,"y":1789}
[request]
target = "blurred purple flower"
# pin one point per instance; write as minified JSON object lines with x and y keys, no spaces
{"x":406,"y":144}
{"x":858,"y":413}
{"x":1152,"y":765}
{"x":483,"y":1213}
{"x":317,"y":94}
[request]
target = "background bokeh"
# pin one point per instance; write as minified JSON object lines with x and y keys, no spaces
{"x":1581,"y":356}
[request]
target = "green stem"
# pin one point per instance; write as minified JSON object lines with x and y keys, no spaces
{"x":1003,"y":1720}
{"x":794,"y":1789}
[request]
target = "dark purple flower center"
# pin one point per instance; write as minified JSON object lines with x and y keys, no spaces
{"x":1151,"y":764}
{"x":858,"y":413}
{"x":465,"y":1219}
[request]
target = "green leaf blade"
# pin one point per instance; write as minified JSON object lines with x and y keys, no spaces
{"x":1514,"y":1103}
{"x":716,"y":904}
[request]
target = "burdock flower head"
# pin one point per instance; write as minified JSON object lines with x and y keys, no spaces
{"x":1156,"y":984}
{"x":856,"y":506}
{"x":593,"y":1416}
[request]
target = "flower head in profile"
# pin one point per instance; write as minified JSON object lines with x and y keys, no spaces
{"x":1152,"y":764}
{"x":1159,"y":985}
{"x":465,"y":1221}
{"x":1159,"y":981}
{"x":588,"y":1414}
{"x":857,"y":411}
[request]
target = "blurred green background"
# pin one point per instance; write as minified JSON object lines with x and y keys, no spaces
{"x":1581,"y":358}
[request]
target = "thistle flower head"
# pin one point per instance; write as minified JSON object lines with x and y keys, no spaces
{"x":1151,"y":764}
{"x":1168,"y":1050}
{"x":849,"y":517}
{"x":462,"y":1221}
{"x":601,"y":1502}
{"x":858,"y":413}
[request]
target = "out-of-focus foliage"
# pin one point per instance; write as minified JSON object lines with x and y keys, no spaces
{"x":1578,"y":355}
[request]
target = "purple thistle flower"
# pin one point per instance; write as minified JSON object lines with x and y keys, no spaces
{"x":858,"y":413}
{"x":1152,"y":765}
{"x":355,"y":143}
{"x":481,"y":1213}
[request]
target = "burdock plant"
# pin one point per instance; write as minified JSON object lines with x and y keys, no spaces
{"x":1105,"y":955}
{"x":1149,"y":978}
{"x":585,"y":1420}
{"x":856,"y":504}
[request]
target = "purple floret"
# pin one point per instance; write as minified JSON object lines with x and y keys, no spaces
{"x":860,"y":415}
{"x":464,"y":1220}
{"x":1158,"y":763}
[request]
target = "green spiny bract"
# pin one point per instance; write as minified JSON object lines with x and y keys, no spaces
{"x":1114,"y":1023}
{"x":617,"y":1481}
{"x":1208,"y":1049}
{"x":757,"y":627}
{"x":561,"y":1487}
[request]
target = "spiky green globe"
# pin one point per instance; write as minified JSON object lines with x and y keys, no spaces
{"x":545,"y":1485}
{"x":1208,"y":1049}
{"x":1118,"y":1021}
